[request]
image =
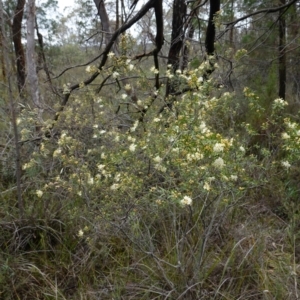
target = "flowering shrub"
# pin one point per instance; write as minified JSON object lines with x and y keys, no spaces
{"x":165,"y":196}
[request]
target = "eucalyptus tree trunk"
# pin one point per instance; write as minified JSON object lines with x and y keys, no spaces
{"x":214,"y":8}
{"x":211,"y":28}
{"x":104,"y":21}
{"x":177,"y":37}
{"x":31,"y":63}
{"x":18,"y":46}
{"x":282,"y":52}
{"x":13,"y":114}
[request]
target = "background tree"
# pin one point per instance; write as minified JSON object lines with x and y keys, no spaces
{"x":18,"y":46}
{"x":31,"y":58}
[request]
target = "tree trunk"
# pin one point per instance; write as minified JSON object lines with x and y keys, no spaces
{"x":210,"y":36}
{"x":17,"y":40}
{"x":179,"y":14}
{"x":2,"y":55}
{"x":104,"y":21}
{"x":42,"y":52}
{"x":13,"y":113}
{"x":31,"y":64}
{"x":282,"y":53}
{"x":211,"y":28}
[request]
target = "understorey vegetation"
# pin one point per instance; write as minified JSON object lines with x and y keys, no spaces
{"x":171,"y":174}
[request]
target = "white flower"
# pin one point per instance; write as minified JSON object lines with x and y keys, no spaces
{"x":130,"y":67}
{"x":156,"y":120}
{"x":115,"y":186}
{"x":286,"y":164}
{"x":90,"y":181}
{"x":186,"y":201}
{"x":127,"y":87}
{"x":160,"y":168}
{"x":285,"y":136}
{"x":154,"y":70}
{"x":169,"y":74}
{"x":88,"y":69}
{"x":39,"y":193}
{"x":131,"y":139}
{"x":291,"y":125}
{"x":157,"y":159}
{"x":200,"y":79}
{"x":115,"y":74}
{"x":100,"y":167}
{"x":57,"y":152}
{"x":218,"y":147}
{"x":194,"y":157}
{"x":124,"y":96}
{"x":203,"y":127}
{"x":219,"y":163}
{"x":206,"y":186}
{"x":280,"y":102}
{"x":132,"y":147}
{"x":233,"y":177}
{"x":110,"y":54}
{"x":198,"y":156}
{"x":25,"y":166}
{"x":66,"y":89}
{"x":135,"y":125}
{"x":117,"y":177}
{"x":80,"y":233}
{"x":242,"y":149}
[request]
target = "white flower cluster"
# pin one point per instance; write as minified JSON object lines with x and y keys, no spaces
{"x":219,"y":163}
{"x":134,"y":127}
{"x":157,"y":159}
{"x":286,"y":164}
{"x":132,"y":147}
{"x":39,"y":193}
{"x":194,"y":156}
{"x":279,"y":103}
{"x":154,"y":70}
{"x":186,"y":201}
{"x":218,"y":147}
{"x":91,"y":69}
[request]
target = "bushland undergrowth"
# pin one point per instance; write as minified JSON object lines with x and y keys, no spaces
{"x":198,"y":202}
